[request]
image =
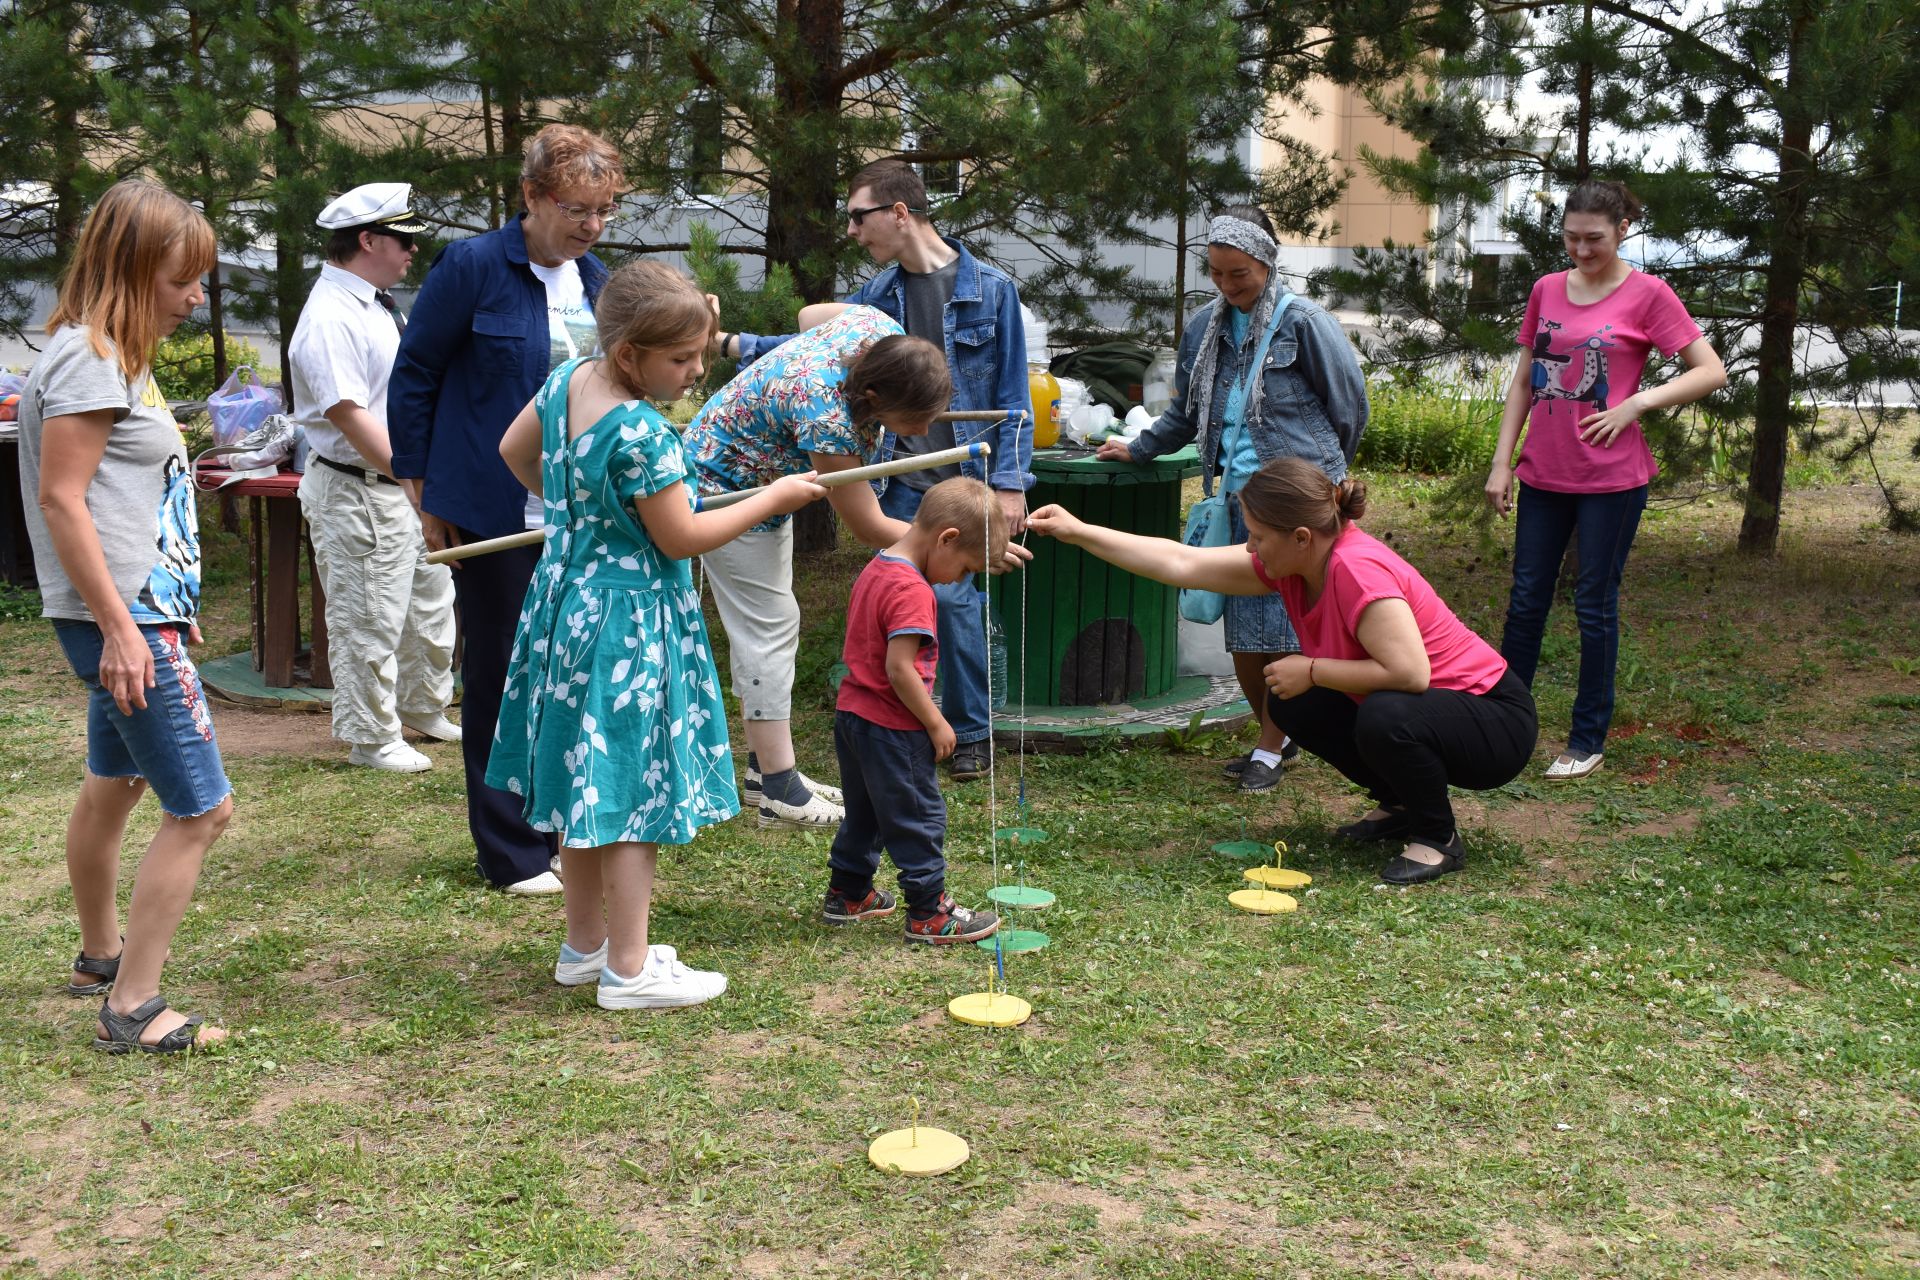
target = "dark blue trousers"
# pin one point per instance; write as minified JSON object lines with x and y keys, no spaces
{"x":489,"y":591}
{"x":1543,"y":522}
{"x":893,"y":803}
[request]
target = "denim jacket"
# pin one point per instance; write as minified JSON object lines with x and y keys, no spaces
{"x":1314,"y":404}
{"x":475,"y":350}
{"x":986,"y":344}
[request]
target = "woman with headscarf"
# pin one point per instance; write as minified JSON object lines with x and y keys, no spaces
{"x":1262,"y":373}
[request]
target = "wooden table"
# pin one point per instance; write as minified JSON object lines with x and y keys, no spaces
{"x":277,"y":544}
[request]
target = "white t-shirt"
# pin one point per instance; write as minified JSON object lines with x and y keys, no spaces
{"x":342,"y":349}
{"x":570,"y":331}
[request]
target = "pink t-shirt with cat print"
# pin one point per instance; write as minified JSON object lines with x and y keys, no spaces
{"x":1587,"y":358}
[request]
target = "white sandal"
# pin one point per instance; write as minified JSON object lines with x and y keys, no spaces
{"x":1571,"y":768}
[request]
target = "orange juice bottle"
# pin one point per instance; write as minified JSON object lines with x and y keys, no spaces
{"x":1044,"y":388}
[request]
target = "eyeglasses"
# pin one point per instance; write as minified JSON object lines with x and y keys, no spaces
{"x":581,"y":212}
{"x":405,"y":238}
{"x":856,"y":216}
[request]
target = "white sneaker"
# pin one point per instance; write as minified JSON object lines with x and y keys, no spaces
{"x":817,"y":814}
{"x":1571,"y":767}
{"x":664,"y":984}
{"x":577,"y":969}
{"x":545,"y":882}
{"x":435,"y":726}
{"x":751,"y":792}
{"x":394,"y":757}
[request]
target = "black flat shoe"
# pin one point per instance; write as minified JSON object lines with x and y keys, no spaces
{"x":1391,"y":827}
{"x":1261,"y":777}
{"x":1232,"y":769}
{"x":1404,"y":870}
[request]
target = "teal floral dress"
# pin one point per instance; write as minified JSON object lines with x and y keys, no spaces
{"x":612,"y":727}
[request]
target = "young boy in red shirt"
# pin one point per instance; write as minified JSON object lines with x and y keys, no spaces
{"x":886,"y":730}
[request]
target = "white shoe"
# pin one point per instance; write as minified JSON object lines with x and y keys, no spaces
{"x":1571,"y":767}
{"x":534,"y":886}
{"x":435,"y":726}
{"x":751,"y":793}
{"x":664,"y":984}
{"x":394,"y":757}
{"x":817,"y":814}
{"x":575,"y":969}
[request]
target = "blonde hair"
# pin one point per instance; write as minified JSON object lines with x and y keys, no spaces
{"x":565,"y":155}
{"x":967,"y":505}
{"x":648,"y":306}
{"x":108,"y":286}
{"x":1292,"y":493}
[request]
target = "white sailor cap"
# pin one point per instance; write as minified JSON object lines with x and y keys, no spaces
{"x":386,"y":205}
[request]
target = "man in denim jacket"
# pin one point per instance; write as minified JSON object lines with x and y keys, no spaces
{"x":939,"y":291}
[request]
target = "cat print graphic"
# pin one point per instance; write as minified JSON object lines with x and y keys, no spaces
{"x":1550,"y":368}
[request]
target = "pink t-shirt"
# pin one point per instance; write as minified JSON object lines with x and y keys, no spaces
{"x":1587,"y":358}
{"x":1361,"y":570}
{"x":891,"y":597}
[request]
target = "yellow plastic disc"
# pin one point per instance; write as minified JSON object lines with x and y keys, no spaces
{"x":1262,"y":902}
{"x":989,"y":1009}
{"x":918,"y":1152}
{"x":1278,"y":877}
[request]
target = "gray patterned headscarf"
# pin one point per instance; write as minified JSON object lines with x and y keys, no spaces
{"x":1252,"y":240}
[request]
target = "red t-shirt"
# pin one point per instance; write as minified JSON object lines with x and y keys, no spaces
{"x":890,"y":598}
{"x":1362,"y":570}
{"x":1586,"y":358}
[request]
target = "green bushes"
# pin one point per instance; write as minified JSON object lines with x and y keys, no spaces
{"x":183,"y":366}
{"x":1435,"y":428}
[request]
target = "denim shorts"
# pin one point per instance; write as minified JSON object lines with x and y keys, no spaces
{"x":1255,"y":624}
{"x":170,"y":741}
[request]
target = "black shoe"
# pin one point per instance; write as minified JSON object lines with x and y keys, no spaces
{"x":1261,"y":777}
{"x":1391,"y":827}
{"x":1234,"y":768}
{"x":1404,"y":870}
{"x":968,"y":761}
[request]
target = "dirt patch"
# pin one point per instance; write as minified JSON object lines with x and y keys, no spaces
{"x":251,"y":734}
{"x":274,"y":1103}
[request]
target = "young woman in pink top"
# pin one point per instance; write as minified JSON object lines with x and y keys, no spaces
{"x":1586,"y":464}
{"x":1410,"y":700}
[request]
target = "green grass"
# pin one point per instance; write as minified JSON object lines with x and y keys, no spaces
{"x":1663,"y":1025}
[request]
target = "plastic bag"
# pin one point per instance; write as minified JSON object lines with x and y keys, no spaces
{"x":240,"y":405}
{"x":11,"y":385}
{"x":1207,"y":526}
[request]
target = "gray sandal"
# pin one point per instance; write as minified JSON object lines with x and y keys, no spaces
{"x":123,"y":1030}
{"x":107,"y":969}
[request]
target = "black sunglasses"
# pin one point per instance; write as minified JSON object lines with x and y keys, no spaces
{"x":858,"y":216}
{"x":404,"y":237}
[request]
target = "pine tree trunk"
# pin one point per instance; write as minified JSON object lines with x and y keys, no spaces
{"x":1780,"y":313}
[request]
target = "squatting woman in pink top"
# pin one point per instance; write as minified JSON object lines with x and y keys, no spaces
{"x":1389,"y":687}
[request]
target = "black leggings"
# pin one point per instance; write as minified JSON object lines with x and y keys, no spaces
{"x":1407,"y":748}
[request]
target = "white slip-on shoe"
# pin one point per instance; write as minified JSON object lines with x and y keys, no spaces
{"x":1571,"y":767}
{"x":751,"y":792}
{"x":664,"y":984}
{"x":393,"y":757}
{"x":817,"y":814}
{"x":577,"y":969}
{"x":435,"y":726}
{"x":534,"y":886}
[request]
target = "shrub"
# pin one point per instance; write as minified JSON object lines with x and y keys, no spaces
{"x":1430,"y":427}
{"x":183,"y":366}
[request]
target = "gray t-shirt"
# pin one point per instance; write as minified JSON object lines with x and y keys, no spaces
{"x":141,"y":497}
{"x":927,"y":298}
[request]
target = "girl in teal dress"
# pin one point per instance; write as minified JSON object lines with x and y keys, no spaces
{"x":612,"y":729}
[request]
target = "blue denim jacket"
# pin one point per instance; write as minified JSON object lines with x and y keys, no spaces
{"x":475,"y":350}
{"x":1314,"y":405}
{"x":986,"y":351}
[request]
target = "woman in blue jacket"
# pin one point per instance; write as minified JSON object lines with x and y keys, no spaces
{"x":1308,"y":401}
{"x":495,"y":315}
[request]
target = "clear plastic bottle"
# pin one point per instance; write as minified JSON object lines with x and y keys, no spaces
{"x":996,"y":661}
{"x":1156,"y":391}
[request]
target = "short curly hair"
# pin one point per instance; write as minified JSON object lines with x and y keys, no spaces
{"x":565,"y":155}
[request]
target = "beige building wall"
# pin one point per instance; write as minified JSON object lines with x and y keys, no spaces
{"x":1338,"y":122}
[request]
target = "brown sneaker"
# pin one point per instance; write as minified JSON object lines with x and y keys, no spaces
{"x":949,"y":922}
{"x":835,"y":909}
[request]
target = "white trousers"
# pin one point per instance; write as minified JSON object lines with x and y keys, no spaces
{"x":752,"y":581}
{"x":389,"y":613}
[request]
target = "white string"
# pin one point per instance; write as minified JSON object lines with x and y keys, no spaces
{"x":986,"y":630}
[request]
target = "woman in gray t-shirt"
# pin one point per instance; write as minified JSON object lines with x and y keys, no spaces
{"x":116,"y":546}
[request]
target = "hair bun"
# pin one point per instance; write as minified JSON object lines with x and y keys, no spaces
{"x":1350,"y":496}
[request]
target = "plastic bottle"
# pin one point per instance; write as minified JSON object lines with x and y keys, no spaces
{"x":1045,"y":392}
{"x":1157,"y":383}
{"x":997,"y":676}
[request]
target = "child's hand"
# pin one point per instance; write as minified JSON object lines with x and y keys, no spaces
{"x":1054,"y":521}
{"x":943,"y":741}
{"x":790,"y":493}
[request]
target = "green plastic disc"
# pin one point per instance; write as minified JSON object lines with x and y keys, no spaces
{"x":1015,"y":940}
{"x":1021,"y":835}
{"x":1243,"y":849}
{"x":1020,"y":895}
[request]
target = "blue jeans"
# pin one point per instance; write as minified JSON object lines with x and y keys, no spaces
{"x":962,"y":637}
{"x":1541,"y":527}
{"x":169,"y":742}
{"x":893,"y":803}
